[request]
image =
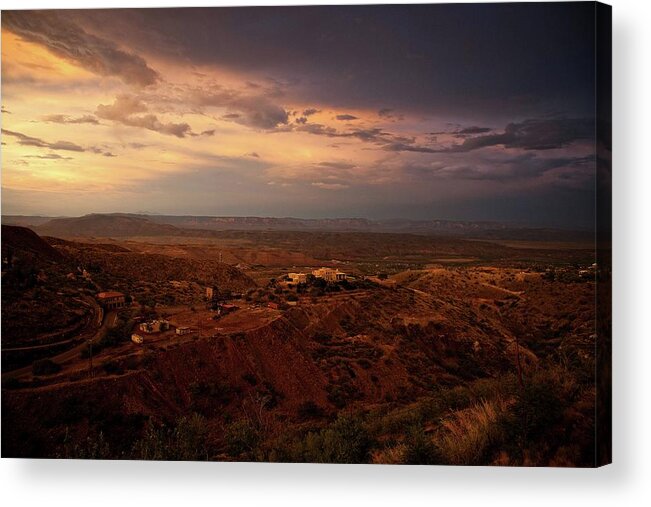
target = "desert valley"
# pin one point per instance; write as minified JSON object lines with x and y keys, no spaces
{"x":345,"y":341}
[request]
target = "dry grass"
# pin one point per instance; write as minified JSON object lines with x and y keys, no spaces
{"x":391,"y":455}
{"x":468,"y":435}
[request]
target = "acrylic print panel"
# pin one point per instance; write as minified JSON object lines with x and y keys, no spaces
{"x":349,"y":234}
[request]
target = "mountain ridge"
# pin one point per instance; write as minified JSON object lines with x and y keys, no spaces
{"x":129,"y":224}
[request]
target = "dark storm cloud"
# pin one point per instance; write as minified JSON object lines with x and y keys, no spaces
{"x":26,"y":140}
{"x":398,"y":147}
{"x":346,"y":117}
{"x":507,"y":60}
{"x":568,"y":171}
{"x":473,"y":130}
{"x":66,"y":39}
{"x":62,"y":118}
{"x":534,"y":135}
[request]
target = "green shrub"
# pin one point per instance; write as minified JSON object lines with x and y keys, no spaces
{"x":242,"y":438}
{"x":92,"y":447}
{"x":345,"y":441}
{"x":186,"y":441}
{"x":419,"y":448}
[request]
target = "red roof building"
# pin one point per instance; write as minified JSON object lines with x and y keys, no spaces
{"x":111,"y":300}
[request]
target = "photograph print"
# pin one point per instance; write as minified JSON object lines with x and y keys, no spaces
{"x":374,"y":234}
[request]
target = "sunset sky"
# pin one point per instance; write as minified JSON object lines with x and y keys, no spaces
{"x":478,"y":112}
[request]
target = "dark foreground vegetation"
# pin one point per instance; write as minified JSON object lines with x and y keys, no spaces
{"x":546,"y":421}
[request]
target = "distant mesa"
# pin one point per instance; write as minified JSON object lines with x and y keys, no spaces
{"x":126,"y":225}
{"x":109,"y":225}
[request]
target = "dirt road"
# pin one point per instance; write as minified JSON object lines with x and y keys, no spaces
{"x":94,"y":335}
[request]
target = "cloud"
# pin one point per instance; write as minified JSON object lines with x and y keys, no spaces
{"x":259,"y":112}
{"x":337,"y":165}
{"x":122,"y":107}
{"x":535,"y":134}
{"x":65,"y":145}
{"x":398,"y":147}
{"x":252,"y":154}
{"x":346,"y":117}
{"x":310,"y":111}
{"x":49,"y":156}
{"x":329,"y":186}
{"x":388,"y":114}
{"x":71,"y":42}
{"x":563,"y":171}
{"x":368,"y":135}
{"x":26,"y":140}
{"x":301,"y":120}
{"x":4,"y":110}
{"x":204,"y":133}
{"x":473,"y":130}
{"x":255,"y":111}
{"x":62,"y":118}
{"x":125,"y":109}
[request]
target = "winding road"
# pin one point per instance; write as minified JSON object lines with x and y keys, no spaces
{"x":101,"y":324}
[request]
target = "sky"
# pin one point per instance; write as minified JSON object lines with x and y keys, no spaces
{"x":468,"y":112}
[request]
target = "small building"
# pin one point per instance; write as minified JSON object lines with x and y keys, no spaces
{"x":154,"y":326}
{"x":273,"y":305}
{"x":111,"y":300}
{"x":181,"y":330}
{"x":226,"y":308}
{"x":329,"y":274}
{"x":137,"y":338}
{"x":298,"y":277}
